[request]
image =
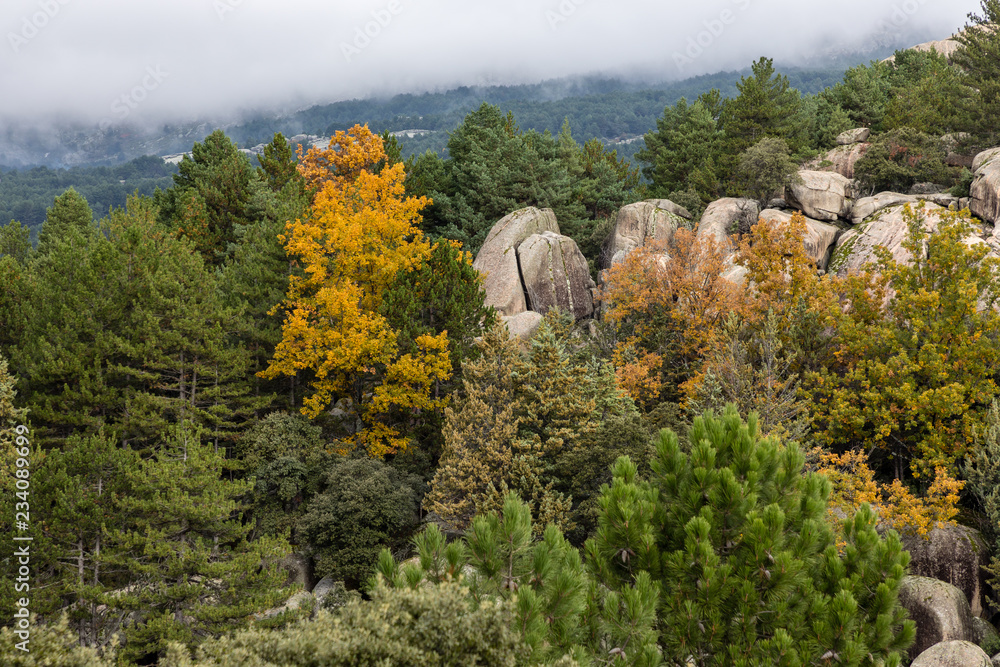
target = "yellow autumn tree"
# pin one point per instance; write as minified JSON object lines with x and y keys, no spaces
{"x":854,"y":485}
{"x":342,"y":161}
{"x":359,"y":234}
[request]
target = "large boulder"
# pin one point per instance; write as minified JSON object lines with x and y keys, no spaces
{"x":887,"y":229}
{"x":820,"y":236}
{"x":855,"y":136}
{"x":523,"y":325}
{"x":722,"y":217}
{"x":986,"y":634}
{"x":497,"y":259}
{"x":985,"y":156}
{"x":940,"y":611}
{"x":953,"y":654}
{"x":822,"y":195}
{"x":985,"y":190}
{"x":957,"y":152}
{"x":299,"y":570}
{"x":556,"y":275}
{"x":867,"y":206}
{"x":653,"y":219}
{"x":840,"y":160}
{"x":954,"y":554}
{"x":945,"y":47}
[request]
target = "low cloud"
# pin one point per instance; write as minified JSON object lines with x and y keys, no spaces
{"x":89,"y":61}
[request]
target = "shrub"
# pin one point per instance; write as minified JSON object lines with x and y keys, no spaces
{"x":364,"y":505}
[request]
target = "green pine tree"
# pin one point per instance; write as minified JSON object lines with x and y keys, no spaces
{"x":559,"y":612}
{"x":979,"y":56}
{"x":180,"y":542}
{"x":442,"y":294}
{"x":128,"y":329}
{"x":767,"y":106}
{"x":750,"y":573}
{"x":479,"y":429}
{"x":212,"y":196}
{"x":685,"y":149}
{"x":278,"y":165}
{"x":15,"y":241}
{"x":495,"y":169}
{"x":68,"y":217}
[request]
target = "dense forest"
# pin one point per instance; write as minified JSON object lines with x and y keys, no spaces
{"x":241,"y":379}
{"x":26,"y":194}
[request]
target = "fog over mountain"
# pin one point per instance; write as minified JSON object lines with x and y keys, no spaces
{"x":120,"y":61}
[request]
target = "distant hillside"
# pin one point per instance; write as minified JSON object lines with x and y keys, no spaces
{"x":26,"y":194}
{"x":610,"y":109}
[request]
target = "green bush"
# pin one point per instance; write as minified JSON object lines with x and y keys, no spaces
{"x":276,"y":435}
{"x":53,"y":645}
{"x":364,"y":505}
{"x":437,"y":625}
{"x":898,"y":159}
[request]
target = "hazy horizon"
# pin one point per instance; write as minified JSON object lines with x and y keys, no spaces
{"x":126,"y":62}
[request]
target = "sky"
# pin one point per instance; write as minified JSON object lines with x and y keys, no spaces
{"x":113,"y":61}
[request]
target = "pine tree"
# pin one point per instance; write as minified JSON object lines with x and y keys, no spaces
{"x":495,"y":169}
{"x":253,"y":282}
{"x":13,"y":444}
{"x":766,"y":107}
{"x":750,"y":573}
{"x":15,"y":241}
{"x":80,"y":492}
{"x":478,"y":432}
{"x":129,"y":330}
{"x":68,"y":217}
{"x":184,"y":550}
{"x":211,"y":197}
{"x":443,"y":294}
{"x":558,"y":611}
{"x":70,"y":312}
{"x":979,"y":56}
{"x":684,"y":150}
{"x":277,"y":164}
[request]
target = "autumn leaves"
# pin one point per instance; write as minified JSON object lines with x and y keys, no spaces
{"x":360,"y":233}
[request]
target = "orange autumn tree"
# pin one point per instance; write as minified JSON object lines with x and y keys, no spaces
{"x":666,"y":302}
{"x":757,"y":358}
{"x":359,"y":234}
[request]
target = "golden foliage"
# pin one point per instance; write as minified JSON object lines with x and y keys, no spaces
{"x":362,"y":230}
{"x":915,"y":350}
{"x":340,"y":163}
{"x":780,"y":273}
{"x":854,"y":484}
